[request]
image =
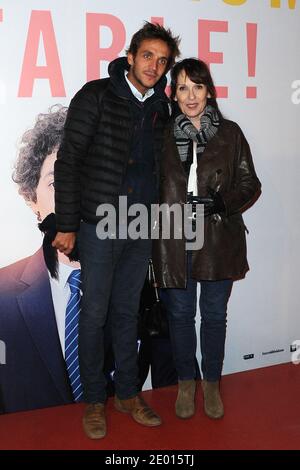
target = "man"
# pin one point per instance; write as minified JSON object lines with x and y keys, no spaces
{"x":111,"y":145}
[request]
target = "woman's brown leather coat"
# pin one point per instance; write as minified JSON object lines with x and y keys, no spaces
{"x":226,"y":166}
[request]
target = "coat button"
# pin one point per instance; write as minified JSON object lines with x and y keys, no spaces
{"x":130,"y":190}
{"x":130,"y":161}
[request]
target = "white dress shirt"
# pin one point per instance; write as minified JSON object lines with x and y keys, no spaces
{"x":136,"y":92}
{"x":192,"y":182}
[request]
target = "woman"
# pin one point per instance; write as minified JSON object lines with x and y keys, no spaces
{"x":204,"y":156}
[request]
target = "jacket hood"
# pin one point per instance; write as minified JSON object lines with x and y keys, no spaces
{"x":116,"y":70}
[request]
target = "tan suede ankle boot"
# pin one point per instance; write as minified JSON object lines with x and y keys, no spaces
{"x":185,"y":403}
{"x":213,"y":405}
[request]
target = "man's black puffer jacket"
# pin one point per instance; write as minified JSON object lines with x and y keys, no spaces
{"x":92,"y":159}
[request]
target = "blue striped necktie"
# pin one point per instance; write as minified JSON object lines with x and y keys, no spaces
{"x":71,"y":334}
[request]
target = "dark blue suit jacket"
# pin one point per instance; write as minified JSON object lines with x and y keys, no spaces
{"x":34,"y":375}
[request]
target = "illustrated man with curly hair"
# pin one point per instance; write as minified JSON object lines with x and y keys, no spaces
{"x":32,"y":303}
{"x":38,"y":148}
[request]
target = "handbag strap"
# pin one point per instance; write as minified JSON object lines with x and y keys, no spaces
{"x":153,"y":279}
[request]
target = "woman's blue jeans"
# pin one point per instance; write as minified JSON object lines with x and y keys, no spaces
{"x":181,"y":305}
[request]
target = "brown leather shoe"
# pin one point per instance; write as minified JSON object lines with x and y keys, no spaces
{"x":139,"y":410}
{"x":94,"y":423}
{"x":213,"y":405}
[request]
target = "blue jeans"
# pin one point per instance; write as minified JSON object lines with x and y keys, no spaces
{"x":113,"y":274}
{"x":181,"y":305}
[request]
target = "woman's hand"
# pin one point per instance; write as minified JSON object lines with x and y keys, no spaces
{"x":216,"y":205}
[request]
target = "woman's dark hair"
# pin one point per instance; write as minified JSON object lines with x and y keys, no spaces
{"x":155,"y":31}
{"x":198,"y":72}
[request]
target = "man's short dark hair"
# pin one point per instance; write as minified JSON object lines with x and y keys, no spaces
{"x":155,"y":31}
{"x":36,"y":144}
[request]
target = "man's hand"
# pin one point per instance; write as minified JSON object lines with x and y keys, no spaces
{"x":64,"y":242}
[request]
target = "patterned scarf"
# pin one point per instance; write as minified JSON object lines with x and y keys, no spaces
{"x":185,"y":132}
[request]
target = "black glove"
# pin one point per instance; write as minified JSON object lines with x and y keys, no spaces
{"x":216,"y":205}
{"x":48,"y":227}
{"x":195,"y":200}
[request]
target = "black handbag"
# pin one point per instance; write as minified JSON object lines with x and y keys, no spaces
{"x":153,"y":315}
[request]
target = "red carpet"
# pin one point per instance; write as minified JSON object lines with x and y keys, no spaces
{"x":262,"y":411}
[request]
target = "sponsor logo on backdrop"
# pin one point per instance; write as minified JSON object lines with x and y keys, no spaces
{"x":248,"y":356}
{"x":295,"y":350}
{"x":272,"y":351}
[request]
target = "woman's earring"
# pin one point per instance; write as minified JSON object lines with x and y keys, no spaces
{"x":39,"y":216}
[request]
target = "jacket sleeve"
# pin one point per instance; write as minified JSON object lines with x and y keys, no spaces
{"x":246,"y":184}
{"x":79,"y":130}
